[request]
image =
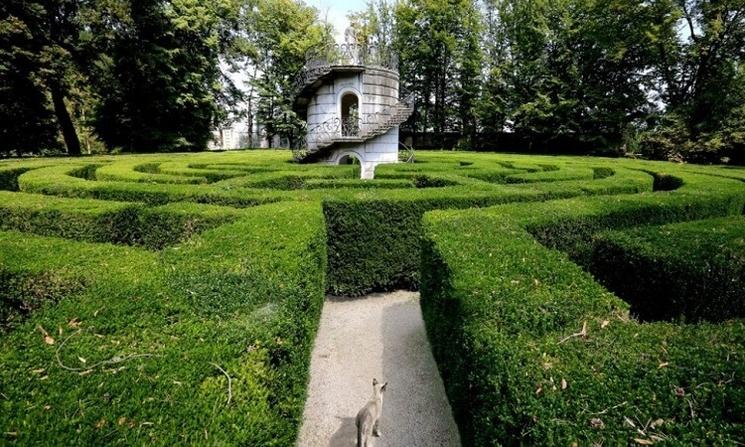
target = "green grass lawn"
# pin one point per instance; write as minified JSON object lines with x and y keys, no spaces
{"x":173,"y":299}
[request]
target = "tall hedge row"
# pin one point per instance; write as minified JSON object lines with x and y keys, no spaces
{"x":533,"y":351}
{"x":691,"y":271}
{"x":205,"y":343}
{"x":374,"y":243}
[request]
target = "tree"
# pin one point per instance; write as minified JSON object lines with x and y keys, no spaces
{"x":701,"y":82}
{"x":491,"y":107}
{"x":283,"y":33}
{"x":26,"y":122}
{"x":575,"y":68}
{"x":440,"y":60}
{"x":375,"y":25}
{"x":157,"y":74}
{"x":43,"y":51}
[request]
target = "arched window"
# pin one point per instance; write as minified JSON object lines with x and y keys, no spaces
{"x":350,"y":115}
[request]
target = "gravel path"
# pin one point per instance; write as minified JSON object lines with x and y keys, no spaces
{"x":379,"y":336}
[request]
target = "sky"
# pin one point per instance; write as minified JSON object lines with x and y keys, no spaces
{"x":335,"y":12}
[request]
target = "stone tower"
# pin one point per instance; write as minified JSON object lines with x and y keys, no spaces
{"x":349,"y":96}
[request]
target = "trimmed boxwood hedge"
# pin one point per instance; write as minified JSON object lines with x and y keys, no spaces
{"x":245,"y":297}
{"x":501,"y":310}
{"x":246,"y":239}
{"x":690,"y":271}
{"x":108,"y":221}
{"x":373,"y":243}
{"x":373,"y":225}
{"x":58,"y":181}
{"x":9,"y":178}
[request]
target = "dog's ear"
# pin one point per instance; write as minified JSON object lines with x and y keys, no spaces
{"x":375,"y":381}
{"x":383,"y":388}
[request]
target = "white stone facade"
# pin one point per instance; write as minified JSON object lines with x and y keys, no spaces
{"x":376,"y":91}
{"x":371,"y":153}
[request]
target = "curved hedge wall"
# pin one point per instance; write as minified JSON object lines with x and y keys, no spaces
{"x":173,"y":299}
{"x":534,"y":351}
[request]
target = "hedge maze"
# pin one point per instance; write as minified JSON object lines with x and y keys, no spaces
{"x":174,"y":299}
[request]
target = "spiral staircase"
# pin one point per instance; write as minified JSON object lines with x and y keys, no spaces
{"x":322,"y":67}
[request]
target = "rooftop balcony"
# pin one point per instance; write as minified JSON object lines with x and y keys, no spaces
{"x":323,"y":63}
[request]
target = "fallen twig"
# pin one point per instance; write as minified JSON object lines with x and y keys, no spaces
{"x":611,"y":408}
{"x":230,"y":382}
{"x":582,"y":333}
{"x":112,"y":361}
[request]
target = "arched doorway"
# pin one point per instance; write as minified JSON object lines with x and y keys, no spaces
{"x":354,"y":163}
{"x":350,"y":115}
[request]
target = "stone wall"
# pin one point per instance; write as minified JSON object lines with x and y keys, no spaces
{"x":376,"y":89}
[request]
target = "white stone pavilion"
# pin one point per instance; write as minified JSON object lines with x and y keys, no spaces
{"x":349,"y":96}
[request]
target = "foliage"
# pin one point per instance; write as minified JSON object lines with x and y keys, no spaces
{"x":689,"y":271}
{"x":701,"y":82}
{"x":145,"y":75}
{"x":223,"y":258}
{"x":533,"y":351}
{"x":571,"y":68}
{"x":284,"y":32}
{"x":35,"y":60}
{"x":247,"y":304}
{"x":157,"y":76}
{"x":440,"y":61}
{"x":107,"y":221}
{"x":663,"y":77}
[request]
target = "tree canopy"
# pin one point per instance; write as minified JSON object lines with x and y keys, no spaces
{"x":661,"y":77}
{"x":664,"y":77}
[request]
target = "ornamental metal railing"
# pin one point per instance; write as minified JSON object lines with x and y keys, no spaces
{"x":318,"y":61}
{"x":363,"y":127}
{"x":406,"y":153}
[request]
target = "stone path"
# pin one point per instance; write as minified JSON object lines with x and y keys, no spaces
{"x":381,"y":336}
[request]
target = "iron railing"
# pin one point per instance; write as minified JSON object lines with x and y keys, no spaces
{"x":352,"y":54}
{"x":364,"y":127}
{"x":318,"y":61}
{"x":406,"y":153}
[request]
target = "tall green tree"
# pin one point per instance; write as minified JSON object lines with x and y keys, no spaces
{"x":375,"y":25}
{"x":157,"y":74}
{"x":42,"y":48}
{"x":26,"y":121}
{"x":283,"y":33}
{"x":491,"y":107}
{"x":440,"y":61}
{"x":701,"y":82}
{"x":576,"y":68}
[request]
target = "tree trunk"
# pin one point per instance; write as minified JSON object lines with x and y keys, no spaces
{"x":65,"y":122}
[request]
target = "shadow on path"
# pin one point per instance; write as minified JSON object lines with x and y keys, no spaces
{"x":346,"y":435}
{"x":379,"y":336}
